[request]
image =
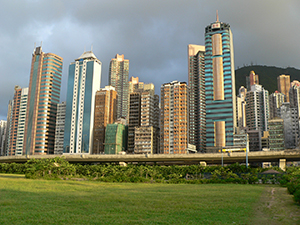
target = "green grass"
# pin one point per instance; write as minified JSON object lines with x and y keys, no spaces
{"x":24,"y":201}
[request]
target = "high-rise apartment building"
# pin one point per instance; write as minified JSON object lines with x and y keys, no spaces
{"x":219,"y":86}
{"x":115,"y":138}
{"x":197,"y":126}
{"x":14,"y":121}
{"x":83,"y":82}
{"x":146,"y":136}
{"x":60,"y":128}
{"x":21,"y":122}
{"x":294,"y":95}
{"x":134,"y":119}
{"x":276,"y":134}
{"x":143,"y":111}
{"x":276,"y":100}
{"x":284,"y":84}
{"x":8,"y":128}
{"x":118,"y":78}
{"x":290,"y":125}
{"x":257,"y":108}
{"x":241,"y":108}
{"x":43,"y":97}
{"x":251,"y":79}
{"x":174,"y":118}
{"x":105,"y":113}
{"x":2,"y":136}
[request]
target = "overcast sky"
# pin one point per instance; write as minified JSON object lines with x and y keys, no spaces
{"x":153,"y":35}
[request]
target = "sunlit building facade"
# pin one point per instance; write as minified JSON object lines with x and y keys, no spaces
{"x":284,"y":84}
{"x":118,"y":78}
{"x":219,"y":86}
{"x":174,"y":118}
{"x":83,"y":82}
{"x":43,"y":97}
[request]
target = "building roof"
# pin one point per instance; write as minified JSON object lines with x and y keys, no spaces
{"x":87,"y":55}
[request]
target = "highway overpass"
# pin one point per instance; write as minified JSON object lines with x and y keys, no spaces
{"x":209,"y":158}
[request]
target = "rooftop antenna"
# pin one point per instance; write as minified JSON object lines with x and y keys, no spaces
{"x":92,"y":48}
{"x":217,"y":16}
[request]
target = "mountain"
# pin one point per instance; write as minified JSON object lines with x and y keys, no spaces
{"x":267,"y":76}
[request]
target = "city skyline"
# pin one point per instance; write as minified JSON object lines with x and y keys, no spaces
{"x":155,"y":43}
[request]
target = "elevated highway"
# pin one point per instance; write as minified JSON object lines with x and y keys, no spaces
{"x":209,"y":158}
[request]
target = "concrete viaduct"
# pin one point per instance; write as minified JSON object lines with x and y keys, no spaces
{"x":184,"y":159}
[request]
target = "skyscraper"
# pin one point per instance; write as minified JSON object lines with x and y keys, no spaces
{"x":251,"y":79}
{"x":197,"y":129}
{"x":8,"y":129}
{"x":294,"y":95}
{"x":174,"y":118}
{"x":14,"y":121}
{"x":275,"y":100}
{"x":2,"y":136}
{"x":43,"y":97}
{"x":60,"y":128}
{"x":219,"y":86}
{"x":21,"y":121}
{"x":83,"y":82}
{"x":241,"y":108}
{"x":105,"y":113}
{"x":284,"y":84}
{"x":257,"y":108}
{"x":118,"y":78}
{"x":290,"y":125}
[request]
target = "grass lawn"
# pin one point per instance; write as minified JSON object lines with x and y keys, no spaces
{"x":25,"y":201}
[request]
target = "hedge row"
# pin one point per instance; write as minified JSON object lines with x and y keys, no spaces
{"x":291,"y":180}
{"x":59,"y":168}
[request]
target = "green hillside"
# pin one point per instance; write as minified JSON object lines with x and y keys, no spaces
{"x":267,"y":76}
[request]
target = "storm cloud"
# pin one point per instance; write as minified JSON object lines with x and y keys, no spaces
{"x":153,"y":35}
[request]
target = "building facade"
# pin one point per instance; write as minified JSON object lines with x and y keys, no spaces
{"x":3,"y":124}
{"x":21,"y":121}
{"x":118,"y":78}
{"x":105,"y":113}
{"x":115,"y":138}
{"x":275,"y":100}
{"x":83,"y":82}
{"x":43,"y":97}
{"x":251,"y":79}
{"x":197,"y":125}
{"x":290,"y":124}
{"x":284,"y":83}
{"x":60,"y":128}
{"x":257,"y":108}
{"x":219,"y":86}
{"x":276,"y":134}
{"x":8,"y":129}
{"x":241,"y":108}
{"x":174,"y":118}
{"x":294,"y":95}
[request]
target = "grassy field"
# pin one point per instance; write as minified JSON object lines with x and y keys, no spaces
{"x":24,"y":201}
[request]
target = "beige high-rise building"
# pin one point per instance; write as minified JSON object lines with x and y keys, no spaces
{"x":284,"y":84}
{"x":174,"y":118}
{"x":105,"y":113}
{"x":241,"y":108}
{"x":118,"y":78}
{"x":136,"y":86}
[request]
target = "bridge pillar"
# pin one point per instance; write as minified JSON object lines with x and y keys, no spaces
{"x":282,"y":164}
{"x":203,"y":163}
{"x":122,"y":163}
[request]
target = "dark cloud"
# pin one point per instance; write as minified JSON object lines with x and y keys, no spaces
{"x":153,"y":35}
